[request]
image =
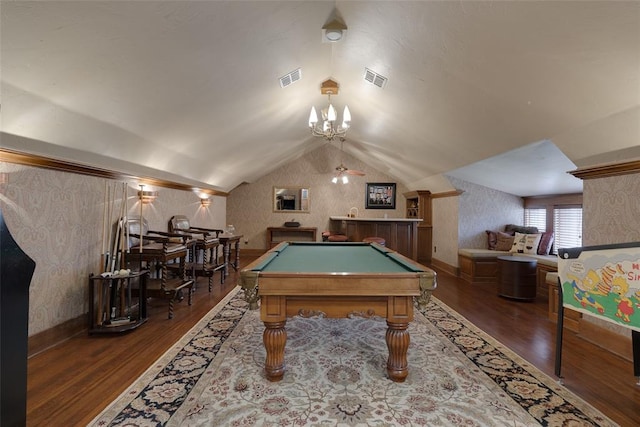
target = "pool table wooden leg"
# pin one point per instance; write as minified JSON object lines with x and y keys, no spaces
{"x":397,"y":338}
{"x":275,"y":339}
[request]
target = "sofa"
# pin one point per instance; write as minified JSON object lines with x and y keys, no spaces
{"x":480,"y":265}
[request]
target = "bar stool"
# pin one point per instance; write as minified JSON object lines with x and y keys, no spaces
{"x":378,"y":240}
{"x":337,"y":238}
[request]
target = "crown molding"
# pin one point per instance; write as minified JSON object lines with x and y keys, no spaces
{"x":452,"y":193}
{"x":603,"y":171}
{"x":11,"y":156}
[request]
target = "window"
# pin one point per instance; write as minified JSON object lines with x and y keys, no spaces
{"x":536,"y":217}
{"x":567,"y":226}
{"x":560,"y":214}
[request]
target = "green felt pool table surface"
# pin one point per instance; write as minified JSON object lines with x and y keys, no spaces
{"x":335,"y":258}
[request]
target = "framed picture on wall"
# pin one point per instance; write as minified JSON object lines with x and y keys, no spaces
{"x":380,"y":195}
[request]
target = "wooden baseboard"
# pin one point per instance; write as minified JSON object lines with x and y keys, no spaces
{"x":252,"y":252}
{"x":607,"y":339}
{"x":447,"y":268}
{"x":59,"y":333}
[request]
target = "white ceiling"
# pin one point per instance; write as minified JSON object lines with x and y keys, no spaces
{"x":189,"y":91}
{"x":533,"y":170}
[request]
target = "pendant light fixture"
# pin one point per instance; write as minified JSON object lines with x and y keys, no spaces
{"x":329,"y":128}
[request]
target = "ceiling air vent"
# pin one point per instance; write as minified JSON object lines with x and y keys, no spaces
{"x":375,"y":78}
{"x":290,"y":78}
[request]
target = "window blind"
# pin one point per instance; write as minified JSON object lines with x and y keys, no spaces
{"x":536,"y":217}
{"x":567,"y":225}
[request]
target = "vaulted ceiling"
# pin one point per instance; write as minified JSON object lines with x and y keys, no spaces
{"x":189,"y":91}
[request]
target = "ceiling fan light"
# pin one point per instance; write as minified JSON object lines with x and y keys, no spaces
{"x":334,"y":180}
{"x":313,"y":117}
{"x":345,"y":180}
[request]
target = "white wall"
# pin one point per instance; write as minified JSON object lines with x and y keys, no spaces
{"x":445,"y":229}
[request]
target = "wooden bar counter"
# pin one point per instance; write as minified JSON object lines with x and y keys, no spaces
{"x":400,"y":234}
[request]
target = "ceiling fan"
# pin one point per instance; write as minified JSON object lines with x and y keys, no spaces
{"x":343,"y":171}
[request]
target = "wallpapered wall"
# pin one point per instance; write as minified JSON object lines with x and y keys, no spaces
{"x":250,"y":206}
{"x":610,"y":214}
{"x":481,"y":208}
{"x":57,"y":218}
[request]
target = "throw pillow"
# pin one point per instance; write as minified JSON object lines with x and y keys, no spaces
{"x":546,"y":241}
{"x":518,"y":243}
{"x":531,"y":242}
{"x":492,"y":239}
{"x":504,"y":241}
{"x":512,"y":229}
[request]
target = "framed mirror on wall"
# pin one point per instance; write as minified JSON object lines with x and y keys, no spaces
{"x":291,"y":199}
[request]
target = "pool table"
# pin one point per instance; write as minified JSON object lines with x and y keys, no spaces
{"x":336,"y":280}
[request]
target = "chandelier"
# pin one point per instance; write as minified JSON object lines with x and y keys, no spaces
{"x":328,"y":128}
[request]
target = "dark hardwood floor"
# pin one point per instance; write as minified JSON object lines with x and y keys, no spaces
{"x":71,"y":383}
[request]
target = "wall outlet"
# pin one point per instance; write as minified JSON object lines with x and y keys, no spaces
{"x":246,"y":241}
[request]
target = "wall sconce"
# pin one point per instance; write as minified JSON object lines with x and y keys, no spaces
{"x":205,"y":201}
{"x":146,"y":197}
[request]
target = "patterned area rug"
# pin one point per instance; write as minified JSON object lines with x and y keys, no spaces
{"x":336,"y":376}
